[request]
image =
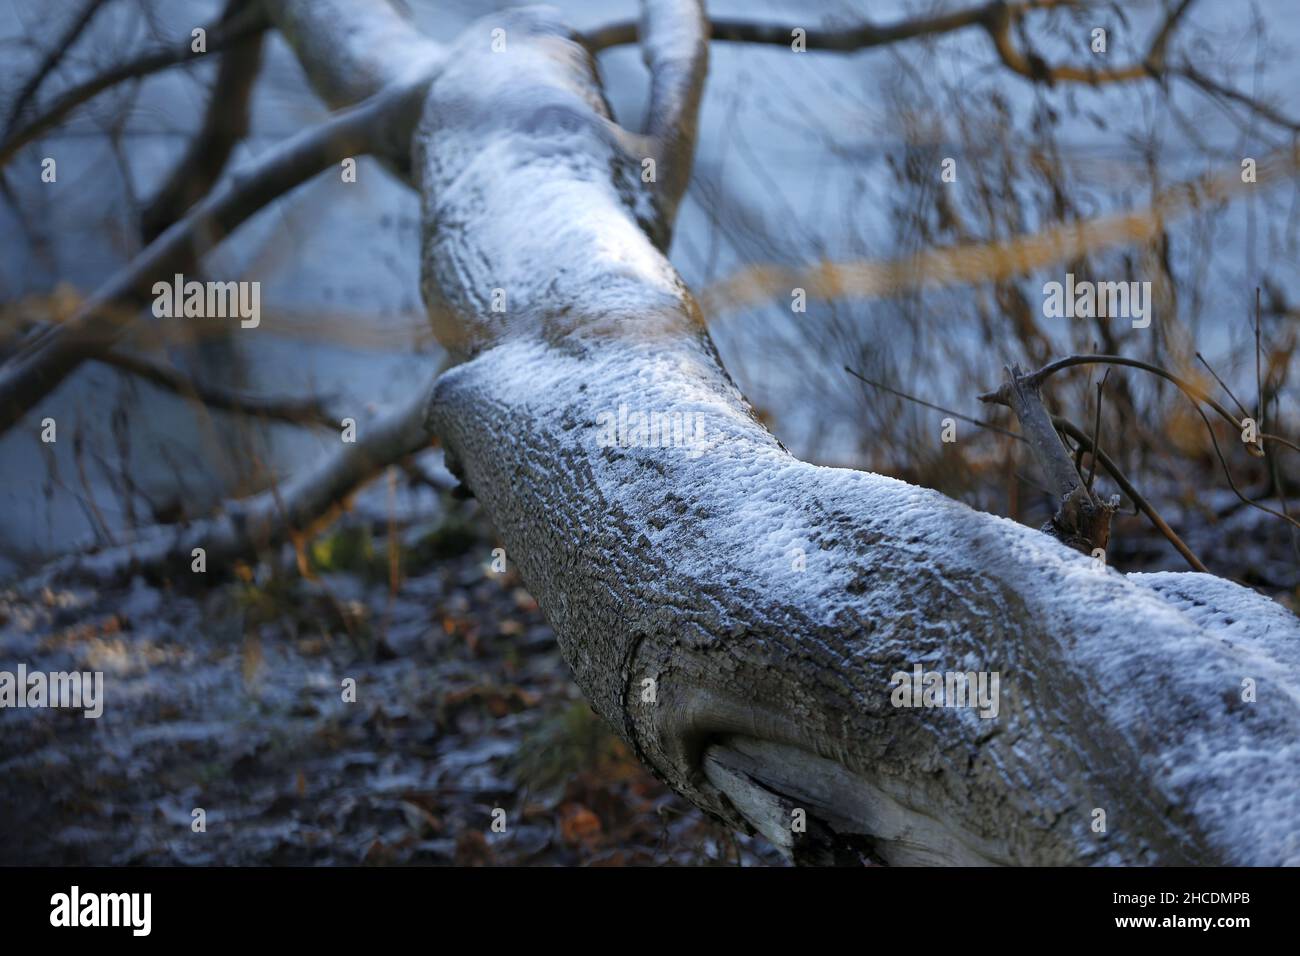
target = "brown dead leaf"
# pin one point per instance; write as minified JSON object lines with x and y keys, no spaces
{"x":579,"y":826}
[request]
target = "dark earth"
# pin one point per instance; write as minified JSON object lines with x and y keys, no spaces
{"x":228,"y":697}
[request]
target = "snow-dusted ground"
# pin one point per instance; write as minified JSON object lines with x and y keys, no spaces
{"x":229,"y":699}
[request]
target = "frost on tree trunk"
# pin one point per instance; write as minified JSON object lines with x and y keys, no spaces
{"x":738,"y":615}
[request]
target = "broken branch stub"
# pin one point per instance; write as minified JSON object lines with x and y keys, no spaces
{"x":1082,"y":521}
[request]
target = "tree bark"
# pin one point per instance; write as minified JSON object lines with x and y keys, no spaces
{"x":768,"y":601}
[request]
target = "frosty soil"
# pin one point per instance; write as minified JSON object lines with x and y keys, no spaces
{"x":229,"y":700}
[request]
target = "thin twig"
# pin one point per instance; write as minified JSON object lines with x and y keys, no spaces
{"x":1096,"y":430}
{"x":1139,"y":501}
{"x":309,"y":500}
{"x":1069,"y":428}
{"x":1191,"y":74}
{"x":225,"y":123}
{"x":250,"y":22}
{"x":1187,"y":388}
{"x":294,"y":411}
{"x":996,"y":17}
{"x":1259,"y":378}
{"x":51,"y":59}
{"x":1223,"y":385}
{"x":937,"y":408}
{"x":47,"y":356}
{"x":1227,"y":472}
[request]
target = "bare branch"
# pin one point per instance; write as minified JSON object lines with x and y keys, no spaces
{"x":1259,"y":375}
{"x":996,"y":18}
{"x":1096,"y":429}
{"x":1227,"y":473}
{"x":1002,"y":16}
{"x":1082,"y":521}
{"x":1223,"y":385}
{"x":938,"y":408}
{"x":52,"y":59}
{"x":860,"y":37}
{"x":676,"y":52}
{"x":48,"y":356}
{"x":294,"y":411}
{"x":352,"y":50}
{"x":1196,"y":395}
{"x":224,"y":125}
{"x":301,"y":506}
{"x":1208,"y":85}
{"x":1066,"y":426}
{"x":1138,"y":499}
{"x":1188,"y":388}
{"x":249,"y":22}
{"x":1191,"y":390}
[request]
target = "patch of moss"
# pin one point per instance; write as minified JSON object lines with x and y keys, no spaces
{"x":345,"y":549}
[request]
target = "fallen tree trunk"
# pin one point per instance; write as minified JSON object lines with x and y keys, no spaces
{"x":739,"y":616}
